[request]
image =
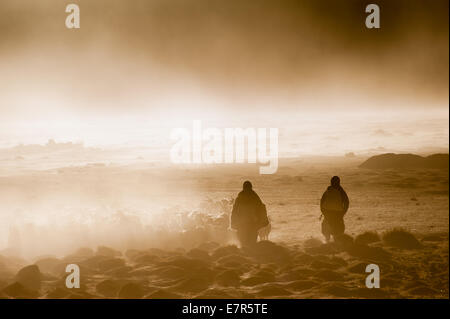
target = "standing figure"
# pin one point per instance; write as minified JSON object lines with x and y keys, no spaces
{"x":334,"y":204}
{"x":248,"y":216}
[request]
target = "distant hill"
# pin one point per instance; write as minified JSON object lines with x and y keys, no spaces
{"x":408,"y":161}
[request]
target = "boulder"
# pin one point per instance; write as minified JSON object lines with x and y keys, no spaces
{"x":131,"y":291}
{"x":30,"y":277}
{"x":17,"y":290}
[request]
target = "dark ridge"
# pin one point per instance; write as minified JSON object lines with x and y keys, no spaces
{"x":406,"y":161}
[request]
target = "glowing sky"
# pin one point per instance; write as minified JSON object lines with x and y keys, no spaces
{"x":136,"y":69}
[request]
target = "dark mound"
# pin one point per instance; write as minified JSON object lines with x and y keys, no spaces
{"x":337,"y":290}
{"x":197,"y":253}
{"x":323,"y":249}
{"x":224,"y":251}
{"x":268,"y":251}
{"x":233,"y":260}
{"x":163,"y":294}
{"x":423,"y":291}
{"x":131,"y":291}
{"x":110,"y":263}
{"x":16,"y":290}
{"x":401,"y":238}
{"x":57,"y":293}
{"x":84,"y":252}
{"x":48,"y":264}
{"x":273,"y":291}
{"x":145,"y":258}
{"x":344,"y":240}
{"x":359,"y":268}
{"x":329,"y":275}
{"x":108,"y":288}
{"x":367,"y":238}
{"x":406,"y":161}
{"x":259,"y":277}
{"x":189,"y":264}
{"x":312,"y":242}
{"x":228,"y":277}
{"x":368,"y":252}
{"x":107,"y":252}
{"x":300,"y":285}
{"x":195,"y":284}
{"x":213,"y":293}
{"x":30,"y":277}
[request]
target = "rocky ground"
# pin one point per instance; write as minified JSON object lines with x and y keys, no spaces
{"x":409,"y":268}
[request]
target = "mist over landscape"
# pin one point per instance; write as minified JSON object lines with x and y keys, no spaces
{"x":86,"y":175}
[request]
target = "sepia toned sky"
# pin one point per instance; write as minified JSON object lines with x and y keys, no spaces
{"x":163,"y":61}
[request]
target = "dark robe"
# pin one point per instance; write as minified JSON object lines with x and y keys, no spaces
{"x":333,"y":222}
{"x":248,"y":216}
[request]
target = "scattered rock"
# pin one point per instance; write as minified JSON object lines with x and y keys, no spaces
{"x":273,"y":292}
{"x":224,"y":251}
{"x":367,"y":238}
{"x":337,"y":290}
{"x":401,"y":238}
{"x":189,"y":264}
{"x":107,"y":252}
{"x":344,"y":240}
{"x":57,"y":293}
{"x":423,"y":291}
{"x":144,"y":271}
{"x":300,"y":285}
{"x":317,"y":264}
{"x":120,"y":272}
{"x":48,"y":265}
{"x":111,"y":263}
{"x":312,"y":242}
{"x":146,"y":259}
{"x":17,"y":290}
{"x":338,"y":261}
{"x":233,"y":259}
{"x":30,"y":277}
{"x":323,"y":249}
{"x":163,"y":294}
{"x":209,"y":246}
{"x":213,"y":293}
{"x":228,"y":278}
{"x":194,"y":284}
{"x":303,"y":259}
{"x":329,"y":275}
{"x":359,"y":268}
{"x":368,"y":252}
{"x":197,"y":253}
{"x":267,"y":251}
{"x":84,"y":252}
{"x":433,"y":238}
{"x":257,"y":280}
{"x":131,"y":291}
{"x":172,"y":272}
{"x":298,"y":273}
{"x":370,"y":293}
{"x":109,"y":288}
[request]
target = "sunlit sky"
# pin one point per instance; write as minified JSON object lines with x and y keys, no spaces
{"x":135,"y":70}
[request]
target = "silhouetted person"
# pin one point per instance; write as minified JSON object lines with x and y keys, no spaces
{"x":248,"y":216}
{"x":334,"y":204}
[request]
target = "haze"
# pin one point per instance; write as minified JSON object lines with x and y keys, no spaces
{"x":135,"y":70}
